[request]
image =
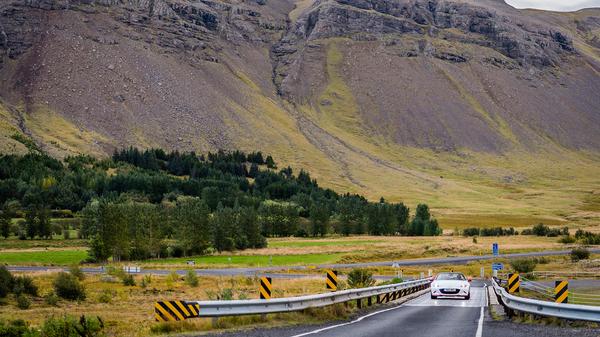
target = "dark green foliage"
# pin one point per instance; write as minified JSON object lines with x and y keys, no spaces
{"x":128,"y":280}
{"x":69,"y":326}
{"x":543,"y":230}
{"x":360,"y":278}
{"x":423,"y":224}
{"x":24,"y":285}
{"x":23,"y":302}
{"x":495,"y":231}
{"x":587,"y":238}
{"x":579,"y":254}
{"x":16,"y":328}
{"x":523,"y":266}
{"x":68,"y":287}
{"x":319,"y":218}
{"x":567,"y":239}
{"x":6,"y":282}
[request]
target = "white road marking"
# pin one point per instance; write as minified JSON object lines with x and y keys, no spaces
{"x":481,"y":315}
{"x":420,"y":301}
{"x":348,"y":323}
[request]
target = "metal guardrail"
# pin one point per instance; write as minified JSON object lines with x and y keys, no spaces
{"x":287,"y":304}
{"x":575,"y":312}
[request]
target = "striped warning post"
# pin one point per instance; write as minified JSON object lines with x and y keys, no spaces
{"x":514,"y":282}
{"x":265,"y":288}
{"x":561,"y":291}
{"x":331,"y":280}
{"x":175,"y":310}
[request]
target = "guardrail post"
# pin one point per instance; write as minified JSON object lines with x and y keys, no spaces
{"x":359,"y":303}
{"x":561,"y":291}
{"x":369,"y":301}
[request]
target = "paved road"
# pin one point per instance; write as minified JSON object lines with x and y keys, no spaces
{"x":423,"y":317}
{"x":276,"y":272}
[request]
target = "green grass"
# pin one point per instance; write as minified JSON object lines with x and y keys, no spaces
{"x":320,"y":243}
{"x":254,"y":260}
{"x":57,"y":257}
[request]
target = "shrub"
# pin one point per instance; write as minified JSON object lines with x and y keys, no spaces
{"x":17,"y":328}
{"x":128,"y":280}
{"x":106,"y":296}
{"x":191,"y":279}
{"x":76,"y":271}
{"x":360,"y":278}
{"x":523,"y":266}
{"x":474,"y":239}
{"x":471,"y":231}
{"x":51,"y":299}
{"x":69,"y":326}
{"x":566,"y":239}
{"x":587,"y":238}
{"x":146,"y":280}
{"x":6,"y":281}
{"x":66,"y":234}
{"x":23,"y":302}
{"x":540,"y":229}
{"x":580,"y":254}
{"x":68,"y":287}
{"x":24,"y":285}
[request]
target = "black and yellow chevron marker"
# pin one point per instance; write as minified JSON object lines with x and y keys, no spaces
{"x":331,"y":280}
{"x":265,"y":288}
{"x":175,"y":310}
{"x":561,"y":291}
{"x":513,"y":283}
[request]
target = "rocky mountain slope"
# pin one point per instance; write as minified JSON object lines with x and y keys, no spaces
{"x":410,"y":99}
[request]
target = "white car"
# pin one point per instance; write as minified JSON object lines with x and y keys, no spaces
{"x":451,"y":285}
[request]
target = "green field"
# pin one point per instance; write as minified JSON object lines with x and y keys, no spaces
{"x":53,"y":257}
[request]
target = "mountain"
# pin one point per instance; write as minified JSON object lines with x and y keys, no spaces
{"x":475,"y":107}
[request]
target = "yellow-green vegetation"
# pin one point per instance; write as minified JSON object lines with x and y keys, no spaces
{"x":129,"y":310}
{"x":61,"y":135}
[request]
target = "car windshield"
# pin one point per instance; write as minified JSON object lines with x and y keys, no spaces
{"x":451,"y":276}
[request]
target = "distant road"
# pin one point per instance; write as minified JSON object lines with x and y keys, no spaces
{"x":278,"y":271}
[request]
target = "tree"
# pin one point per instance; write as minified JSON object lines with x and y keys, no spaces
{"x":270,"y":162}
{"x":253,"y":170}
{"x":319,"y":218}
{"x":7,"y":213}
{"x":193,"y":231}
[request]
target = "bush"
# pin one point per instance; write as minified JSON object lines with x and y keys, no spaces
{"x":24,"y":285}
{"x":360,"y":278}
{"x":6,"y":281}
{"x":69,"y":326}
{"x":580,"y":254}
{"x":76,"y":271}
{"x":523,"y":266}
{"x":567,"y":239}
{"x":471,"y":231}
{"x":23,"y":302}
{"x":128,"y":280}
{"x":51,"y":299}
{"x":66,"y":234}
{"x":68,"y":287}
{"x":191,"y":279}
{"x":587,"y":238}
{"x":17,"y":328}
{"x":540,"y":230}
{"x":106,"y":296}
{"x":146,"y":280}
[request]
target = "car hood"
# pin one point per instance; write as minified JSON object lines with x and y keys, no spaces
{"x":449,"y":283}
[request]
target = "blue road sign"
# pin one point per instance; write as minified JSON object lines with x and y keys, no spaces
{"x":495,"y":249}
{"x":497,"y":266}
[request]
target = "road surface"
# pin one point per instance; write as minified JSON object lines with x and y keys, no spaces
{"x":277,"y":272}
{"x":424,"y":317}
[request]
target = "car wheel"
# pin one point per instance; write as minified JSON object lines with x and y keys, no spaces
{"x":433,"y":297}
{"x":468,"y":297}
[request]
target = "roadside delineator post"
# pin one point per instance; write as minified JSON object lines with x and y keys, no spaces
{"x":331,"y":280}
{"x":514,"y":282}
{"x":561,"y":291}
{"x":265,"y":288}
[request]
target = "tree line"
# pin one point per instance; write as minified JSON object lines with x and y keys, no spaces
{"x":163,"y":203}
